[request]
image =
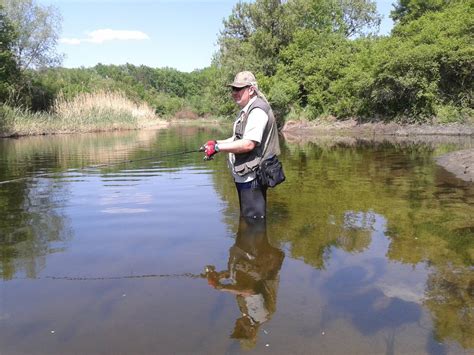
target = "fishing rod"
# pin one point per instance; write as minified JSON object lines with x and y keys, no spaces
{"x":142,"y":159}
{"x":201,"y":149}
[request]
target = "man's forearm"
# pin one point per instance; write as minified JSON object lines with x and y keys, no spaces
{"x":237,"y":147}
{"x":230,"y":139}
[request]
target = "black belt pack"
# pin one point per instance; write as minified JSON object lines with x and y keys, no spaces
{"x":270,"y":172}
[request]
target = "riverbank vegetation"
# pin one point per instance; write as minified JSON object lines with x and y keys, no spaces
{"x":100,"y":111}
{"x":312,"y":59}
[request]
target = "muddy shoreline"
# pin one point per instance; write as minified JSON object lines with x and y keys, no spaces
{"x":459,"y":163}
{"x":352,"y":127}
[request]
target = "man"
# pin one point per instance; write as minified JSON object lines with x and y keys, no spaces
{"x":255,"y":139}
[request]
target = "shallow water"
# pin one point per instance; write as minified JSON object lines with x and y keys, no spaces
{"x":368,"y":248}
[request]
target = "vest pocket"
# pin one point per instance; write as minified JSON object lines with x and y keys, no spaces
{"x":243,"y":169}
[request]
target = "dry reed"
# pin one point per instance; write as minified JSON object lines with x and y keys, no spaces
{"x":87,"y":112}
{"x":101,"y":106}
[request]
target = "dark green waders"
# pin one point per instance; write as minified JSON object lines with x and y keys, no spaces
{"x":252,"y":199}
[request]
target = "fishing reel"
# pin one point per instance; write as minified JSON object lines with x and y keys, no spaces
{"x":203,"y":149}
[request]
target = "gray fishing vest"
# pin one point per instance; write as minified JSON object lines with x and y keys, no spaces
{"x":268,"y":147}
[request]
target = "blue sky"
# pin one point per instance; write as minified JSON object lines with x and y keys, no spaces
{"x":180,"y":34}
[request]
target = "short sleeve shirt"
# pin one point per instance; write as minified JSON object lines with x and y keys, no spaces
{"x":256,"y":123}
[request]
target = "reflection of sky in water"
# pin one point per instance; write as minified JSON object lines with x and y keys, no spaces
{"x":121,"y":202}
{"x":359,"y":300}
{"x":394,"y":280}
{"x":372,"y":291}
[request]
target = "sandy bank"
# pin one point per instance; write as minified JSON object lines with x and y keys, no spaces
{"x":460,"y":163}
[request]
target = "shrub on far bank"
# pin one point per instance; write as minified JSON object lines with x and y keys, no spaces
{"x":453,"y":114}
{"x":15,"y":121}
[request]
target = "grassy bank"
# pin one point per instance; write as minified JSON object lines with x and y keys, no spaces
{"x":87,"y":112}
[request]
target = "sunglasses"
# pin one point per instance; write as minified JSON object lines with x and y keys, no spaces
{"x":235,"y":89}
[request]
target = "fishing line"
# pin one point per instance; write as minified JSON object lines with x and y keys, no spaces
{"x":188,"y":275}
{"x":105,"y":165}
{"x":146,"y":276}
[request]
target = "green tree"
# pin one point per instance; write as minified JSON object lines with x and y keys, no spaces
{"x":253,"y":35}
{"x":8,"y":68}
{"x":426,"y":65}
{"x":315,"y":60}
{"x":38,"y":30}
{"x":424,"y":69}
{"x":261,"y":36}
{"x":409,"y":10}
{"x":350,"y":17}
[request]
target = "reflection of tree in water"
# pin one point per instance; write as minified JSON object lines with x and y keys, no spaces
{"x":450,"y":298}
{"x":355,"y":234}
{"x":350,"y":231}
{"x":252,"y":276}
{"x":428,"y":215}
{"x":30,"y":224}
{"x":30,"y":227}
{"x":439,"y":231}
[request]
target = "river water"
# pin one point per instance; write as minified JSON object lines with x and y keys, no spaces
{"x":368,"y":248}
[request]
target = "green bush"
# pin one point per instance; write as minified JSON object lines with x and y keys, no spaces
{"x":428,"y":62}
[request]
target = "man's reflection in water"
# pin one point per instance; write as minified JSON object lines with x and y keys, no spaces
{"x":252,"y":275}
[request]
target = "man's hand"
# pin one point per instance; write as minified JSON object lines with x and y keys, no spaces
{"x":211,"y":149}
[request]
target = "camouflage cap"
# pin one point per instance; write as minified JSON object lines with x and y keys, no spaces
{"x":244,"y":78}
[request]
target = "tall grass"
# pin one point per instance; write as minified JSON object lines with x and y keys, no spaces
{"x":87,"y":112}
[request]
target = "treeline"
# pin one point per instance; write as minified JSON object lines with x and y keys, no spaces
{"x":312,"y":58}
{"x":319,"y":57}
{"x":167,"y":90}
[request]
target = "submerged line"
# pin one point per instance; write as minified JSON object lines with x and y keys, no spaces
{"x":98,"y":278}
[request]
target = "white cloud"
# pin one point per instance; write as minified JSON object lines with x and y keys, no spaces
{"x":103,"y":35}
